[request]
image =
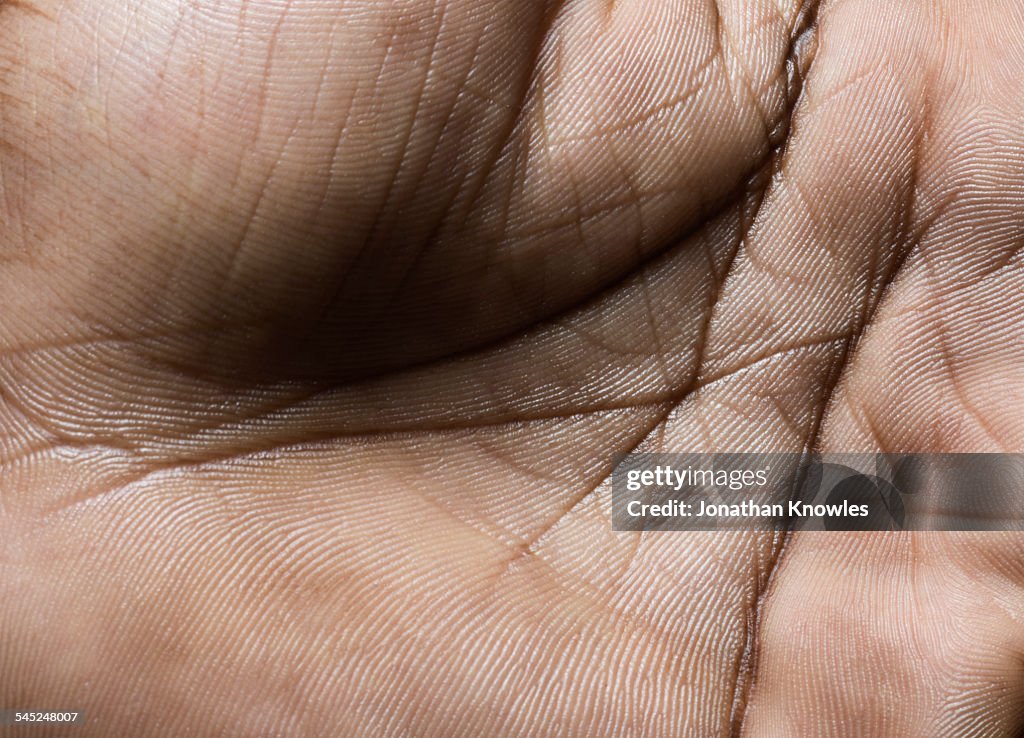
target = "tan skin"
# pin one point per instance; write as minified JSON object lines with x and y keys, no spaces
{"x":323,"y":323}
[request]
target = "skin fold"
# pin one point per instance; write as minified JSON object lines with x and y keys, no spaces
{"x":324,"y":322}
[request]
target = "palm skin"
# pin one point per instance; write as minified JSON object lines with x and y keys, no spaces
{"x":325,"y":322}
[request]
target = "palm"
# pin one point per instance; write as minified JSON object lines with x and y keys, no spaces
{"x":312,"y":396}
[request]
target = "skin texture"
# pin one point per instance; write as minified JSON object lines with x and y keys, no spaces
{"x":323,"y":323}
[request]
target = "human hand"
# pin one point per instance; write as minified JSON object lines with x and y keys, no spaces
{"x":324,"y":323}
